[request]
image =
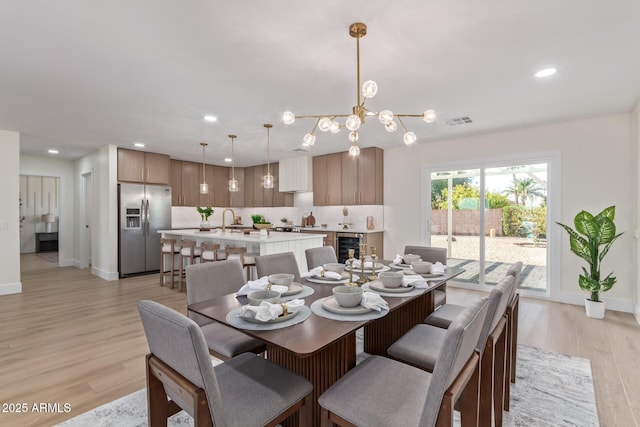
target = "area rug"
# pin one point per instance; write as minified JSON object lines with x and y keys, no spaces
{"x":551,"y":389}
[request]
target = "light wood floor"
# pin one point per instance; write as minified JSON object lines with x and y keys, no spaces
{"x":73,"y":338}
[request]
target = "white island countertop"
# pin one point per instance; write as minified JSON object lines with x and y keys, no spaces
{"x":239,"y":236}
{"x":275,"y":242}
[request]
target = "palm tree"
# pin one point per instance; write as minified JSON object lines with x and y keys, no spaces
{"x":524,"y":189}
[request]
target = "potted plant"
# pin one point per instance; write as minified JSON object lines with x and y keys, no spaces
{"x":260,"y":222}
{"x":590,"y":234}
{"x":205,"y":213}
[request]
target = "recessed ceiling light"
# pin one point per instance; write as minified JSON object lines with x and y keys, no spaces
{"x":545,"y":72}
{"x":52,"y":151}
{"x":139,"y":144}
{"x":228,"y":159}
{"x":210,"y":118}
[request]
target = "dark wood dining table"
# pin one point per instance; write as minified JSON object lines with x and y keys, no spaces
{"x":323,"y":350}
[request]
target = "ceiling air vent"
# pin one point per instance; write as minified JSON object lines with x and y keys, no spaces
{"x":457,"y":121}
{"x":300,"y":149}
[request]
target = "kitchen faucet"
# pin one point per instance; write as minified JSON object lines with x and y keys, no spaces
{"x":232,"y":218}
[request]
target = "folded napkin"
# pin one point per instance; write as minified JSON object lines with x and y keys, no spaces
{"x":317,"y":272}
{"x":373,"y":301}
{"x":438,"y":268}
{"x":397,"y":260}
{"x":357,"y":264}
{"x":267,"y":311}
{"x":260,"y":285}
{"x":416,"y":280}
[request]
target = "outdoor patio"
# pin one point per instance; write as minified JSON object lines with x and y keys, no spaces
{"x":501,"y":253}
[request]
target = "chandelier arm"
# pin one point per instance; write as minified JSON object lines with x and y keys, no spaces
{"x":319,"y":116}
{"x":313,"y":131}
{"x":401,"y":124}
{"x":408,"y":115}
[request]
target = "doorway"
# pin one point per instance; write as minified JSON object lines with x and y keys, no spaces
{"x":491,"y":216}
{"x":86,"y":217}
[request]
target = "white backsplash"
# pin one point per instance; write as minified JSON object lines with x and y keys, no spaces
{"x":188,"y":217}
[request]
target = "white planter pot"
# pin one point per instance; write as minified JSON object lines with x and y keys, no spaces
{"x":594,"y":309}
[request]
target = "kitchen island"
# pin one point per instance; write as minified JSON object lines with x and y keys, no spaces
{"x":275,"y":242}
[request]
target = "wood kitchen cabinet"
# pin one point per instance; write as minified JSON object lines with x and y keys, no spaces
{"x":362,"y":177}
{"x":253,"y":194}
{"x":327,"y":180}
{"x":218,"y":179}
{"x":185,"y":183}
{"x":143,"y":167}
{"x":256,"y":195}
{"x":328,"y":240}
{"x":374,"y":239}
{"x":236,"y":199}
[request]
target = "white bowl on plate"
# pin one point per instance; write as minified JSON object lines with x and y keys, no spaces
{"x":256,"y":297}
{"x":411,"y":258}
{"x":347,"y":296}
{"x":282,"y":279}
{"x":421,"y":267}
{"x":336,"y":267}
{"x":391,"y":279}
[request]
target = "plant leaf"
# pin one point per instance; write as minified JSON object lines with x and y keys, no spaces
{"x":607,"y":230}
{"x":609,"y":212}
{"x":607,"y":283}
{"x":588,"y":284}
{"x":586,"y":225}
{"x":606,"y":248}
{"x":577,"y":243}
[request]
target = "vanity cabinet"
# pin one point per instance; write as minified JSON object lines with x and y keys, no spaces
{"x":327,"y":180}
{"x":143,"y":167}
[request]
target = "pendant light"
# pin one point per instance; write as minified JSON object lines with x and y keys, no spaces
{"x":267,"y":180}
{"x":204,"y":187}
{"x":233,"y":182}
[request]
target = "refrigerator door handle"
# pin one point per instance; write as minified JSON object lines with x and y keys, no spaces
{"x":147,"y":217}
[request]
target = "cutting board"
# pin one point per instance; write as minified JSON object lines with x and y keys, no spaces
{"x":311,"y":220}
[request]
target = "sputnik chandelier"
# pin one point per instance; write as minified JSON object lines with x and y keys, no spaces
{"x":328,"y":123}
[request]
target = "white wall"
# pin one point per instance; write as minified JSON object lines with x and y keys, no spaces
{"x":102,"y":165}
{"x":9,"y":213}
{"x":596,"y":167}
{"x":635,"y":118}
{"x":64,"y":170}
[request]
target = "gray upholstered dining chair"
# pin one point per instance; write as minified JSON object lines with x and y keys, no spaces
{"x":246,"y":390}
{"x":284,"y":262}
{"x":210,"y":280}
{"x":432,"y":254}
{"x":320,"y":256}
{"x":385,"y":392}
{"x":512,"y":333}
{"x":420,"y":346}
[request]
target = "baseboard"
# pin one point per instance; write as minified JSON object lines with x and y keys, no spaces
{"x":10,"y":288}
{"x":636,"y":314}
{"x":106,"y":275}
{"x":69,"y":263}
{"x":615,"y":304}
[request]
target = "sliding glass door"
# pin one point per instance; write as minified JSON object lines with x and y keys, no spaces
{"x":490,"y":217}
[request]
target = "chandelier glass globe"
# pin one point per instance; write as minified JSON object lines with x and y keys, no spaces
{"x":385,"y":116}
{"x":324,"y":124}
{"x":353,"y":136}
{"x":409,"y":138}
{"x":429,"y":116}
{"x":354,"y":150}
{"x":391,"y":126}
{"x":335,"y":127}
{"x":369,"y":89}
{"x":309,"y":139}
{"x":288,"y":117}
{"x":353,"y":122}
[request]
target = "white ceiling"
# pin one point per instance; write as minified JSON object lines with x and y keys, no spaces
{"x":76,"y":74}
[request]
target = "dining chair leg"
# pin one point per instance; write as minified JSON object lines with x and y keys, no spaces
{"x":514,"y":338}
{"x":499,"y":378}
{"x":157,"y":406}
{"x":508,"y":360}
{"x":486,"y":384}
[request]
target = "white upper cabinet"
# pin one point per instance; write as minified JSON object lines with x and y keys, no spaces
{"x":296,"y":174}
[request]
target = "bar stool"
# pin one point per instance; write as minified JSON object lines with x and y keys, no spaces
{"x":248,"y":260}
{"x":189,"y":252}
{"x":209,"y":252}
{"x":168,"y":247}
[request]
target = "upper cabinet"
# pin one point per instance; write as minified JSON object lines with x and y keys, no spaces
{"x":185,"y":186}
{"x":362,"y":178}
{"x":139,"y":166}
{"x":296,"y":174}
{"x":236,"y":198}
{"x":255,"y":195}
{"x":341,"y":179}
{"x":327,"y":180}
{"x":218,"y":179}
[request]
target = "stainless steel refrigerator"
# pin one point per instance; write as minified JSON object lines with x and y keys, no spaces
{"x":144,"y":209}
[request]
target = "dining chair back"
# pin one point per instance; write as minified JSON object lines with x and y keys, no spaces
{"x":210,"y":280}
{"x":179,"y":368}
{"x":428,"y":253}
{"x":284,"y":262}
{"x":320,"y":256}
{"x":512,"y":332}
{"x":433,"y":255}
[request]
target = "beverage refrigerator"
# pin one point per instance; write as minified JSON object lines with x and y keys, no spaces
{"x":143,"y":210}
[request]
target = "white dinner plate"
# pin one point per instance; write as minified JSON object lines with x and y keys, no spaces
{"x":294,"y":288}
{"x":377,"y":285}
{"x":331,"y":281}
{"x":276,"y":320}
{"x":330,"y":304}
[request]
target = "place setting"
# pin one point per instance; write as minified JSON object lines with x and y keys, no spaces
{"x":351,"y":303}
{"x":330,"y":273}
{"x":282,"y":283}
{"x":413,"y":265}
{"x":396,"y":284}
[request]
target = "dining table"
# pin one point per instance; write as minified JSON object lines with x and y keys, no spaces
{"x":321,"y":349}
